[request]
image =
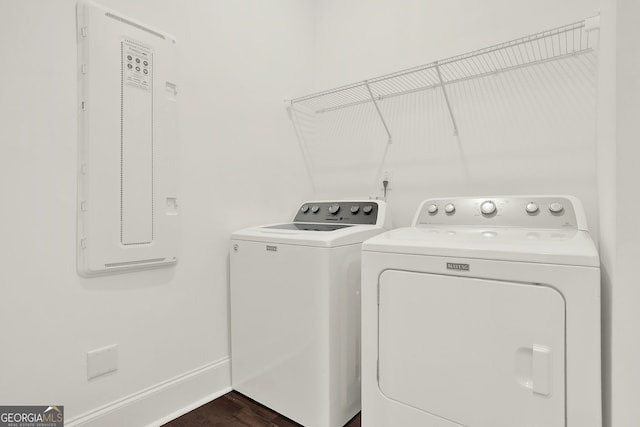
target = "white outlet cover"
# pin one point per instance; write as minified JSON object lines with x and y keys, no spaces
{"x":102,"y":361}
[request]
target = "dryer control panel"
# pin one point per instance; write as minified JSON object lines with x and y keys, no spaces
{"x":344,"y":212}
{"x":548,"y":212}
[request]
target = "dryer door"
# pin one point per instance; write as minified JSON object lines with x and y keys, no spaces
{"x":480,"y":353}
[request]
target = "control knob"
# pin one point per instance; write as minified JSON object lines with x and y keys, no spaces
{"x":355,"y":209}
{"x":315,"y":209}
{"x":333,"y":209}
{"x":450,"y":208}
{"x":556,"y":207}
{"x":304,"y":209}
{"x":432,"y":209}
{"x":532,"y":207}
{"x":488,"y":208}
{"x":367,"y":209}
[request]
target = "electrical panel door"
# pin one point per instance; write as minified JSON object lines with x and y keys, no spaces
{"x":127,"y":192}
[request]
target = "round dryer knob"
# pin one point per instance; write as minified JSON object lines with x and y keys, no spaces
{"x":367,"y":209}
{"x":488,"y":208}
{"x":532,"y":207}
{"x":556,"y":207}
{"x":334,"y":209}
{"x":355,"y":209}
{"x":432,"y":209}
{"x":304,"y":209}
{"x":450,"y":208}
{"x":315,"y":209}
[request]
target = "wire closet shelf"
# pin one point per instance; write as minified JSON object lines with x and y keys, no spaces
{"x":558,"y":43}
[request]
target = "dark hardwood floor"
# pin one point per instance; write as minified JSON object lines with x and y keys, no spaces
{"x":235,"y":409}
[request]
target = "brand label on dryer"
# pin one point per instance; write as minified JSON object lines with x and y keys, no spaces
{"x":456,"y":266}
{"x":272,"y":248}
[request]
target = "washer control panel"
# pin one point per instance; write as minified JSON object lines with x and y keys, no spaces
{"x":512,"y":211}
{"x":347,"y":212}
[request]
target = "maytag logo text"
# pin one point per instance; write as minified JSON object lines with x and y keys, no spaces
{"x":456,"y":266}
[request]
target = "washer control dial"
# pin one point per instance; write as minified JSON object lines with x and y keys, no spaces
{"x":304,"y":209}
{"x":432,"y":209}
{"x":355,"y":209}
{"x":334,"y":209}
{"x":488,"y":208}
{"x":315,"y":209}
{"x":532,"y":208}
{"x":556,"y":207}
{"x":367,"y":209}
{"x":450,"y":208}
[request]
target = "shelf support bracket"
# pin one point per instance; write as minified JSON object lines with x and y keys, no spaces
{"x":292,"y":113}
{"x":446,"y":99}
{"x":375,"y":104}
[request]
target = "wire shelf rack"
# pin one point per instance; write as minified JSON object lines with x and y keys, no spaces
{"x":569,"y":40}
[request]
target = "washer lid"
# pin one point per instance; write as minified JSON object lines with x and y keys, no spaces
{"x":564,"y":247}
{"x":307,"y":234}
{"x":306,"y":226}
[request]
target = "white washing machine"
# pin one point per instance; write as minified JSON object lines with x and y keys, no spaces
{"x":484,"y":313}
{"x":295,"y":310}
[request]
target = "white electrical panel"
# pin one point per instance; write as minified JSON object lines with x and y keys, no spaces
{"x":127,"y":190}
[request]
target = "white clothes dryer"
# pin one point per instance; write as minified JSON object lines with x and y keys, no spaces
{"x":484,"y":313}
{"x":295,"y":310}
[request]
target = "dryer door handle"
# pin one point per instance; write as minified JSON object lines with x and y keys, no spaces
{"x":541,"y":370}
{"x":533,"y":369}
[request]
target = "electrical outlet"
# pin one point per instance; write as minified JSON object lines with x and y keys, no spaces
{"x":102,"y":361}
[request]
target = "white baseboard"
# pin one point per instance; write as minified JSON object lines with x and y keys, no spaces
{"x":163,"y":402}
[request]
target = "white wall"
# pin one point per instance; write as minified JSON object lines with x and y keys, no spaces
{"x":618,"y":130}
{"x":358,"y":39}
{"x":625,"y":324}
{"x":239,"y":166}
{"x":625,"y":340}
{"x":529,"y":131}
{"x":606,"y":171}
